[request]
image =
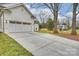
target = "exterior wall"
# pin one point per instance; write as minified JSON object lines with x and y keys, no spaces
{"x":1,"y":29}
{"x":17,"y":14}
{"x":1,"y":24}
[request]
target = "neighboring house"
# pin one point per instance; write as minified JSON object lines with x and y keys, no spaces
{"x":20,"y":19}
{"x":62,"y":26}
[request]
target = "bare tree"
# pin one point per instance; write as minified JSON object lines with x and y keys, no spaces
{"x":41,"y":16}
{"x":54,"y":8}
{"x":75,"y":5}
{"x":44,"y":16}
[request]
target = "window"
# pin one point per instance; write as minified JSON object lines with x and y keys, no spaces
{"x":13,"y":22}
{"x":18,"y":22}
{"x":27,"y":23}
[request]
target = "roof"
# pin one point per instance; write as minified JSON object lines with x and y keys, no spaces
{"x":13,"y":5}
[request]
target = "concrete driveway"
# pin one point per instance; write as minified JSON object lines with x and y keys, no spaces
{"x":42,"y":44}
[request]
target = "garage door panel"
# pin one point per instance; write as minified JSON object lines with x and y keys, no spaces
{"x":18,"y":28}
{"x":10,"y":27}
{"x":28,"y":27}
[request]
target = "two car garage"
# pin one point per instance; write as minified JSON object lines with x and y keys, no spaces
{"x":17,"y":26}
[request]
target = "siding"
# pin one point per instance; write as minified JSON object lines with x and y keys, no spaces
{"x":17,"y":14}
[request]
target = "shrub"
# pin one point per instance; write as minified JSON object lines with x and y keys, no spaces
{"x":50,"y":24}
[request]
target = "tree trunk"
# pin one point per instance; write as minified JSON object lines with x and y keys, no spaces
{"x":55,"y":17}
{"x":74,"y":19}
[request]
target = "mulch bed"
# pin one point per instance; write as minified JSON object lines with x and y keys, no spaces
{"x":69,"y":36}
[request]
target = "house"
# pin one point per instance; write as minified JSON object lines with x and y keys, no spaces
{"x":62,"y":26}
{"x":17,"y":19}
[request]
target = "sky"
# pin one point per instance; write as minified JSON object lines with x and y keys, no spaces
{"x":66,"y":8}
{"x":64,"y":12}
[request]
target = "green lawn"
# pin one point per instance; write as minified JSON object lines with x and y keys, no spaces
{"x":9,"y":47}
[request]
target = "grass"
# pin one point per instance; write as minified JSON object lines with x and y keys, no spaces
{"x":9,"y":47}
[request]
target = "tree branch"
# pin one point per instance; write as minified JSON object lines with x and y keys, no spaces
{"x":49,"y":7}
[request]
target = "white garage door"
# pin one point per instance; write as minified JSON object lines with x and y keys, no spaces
{"x":18,"y":27}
